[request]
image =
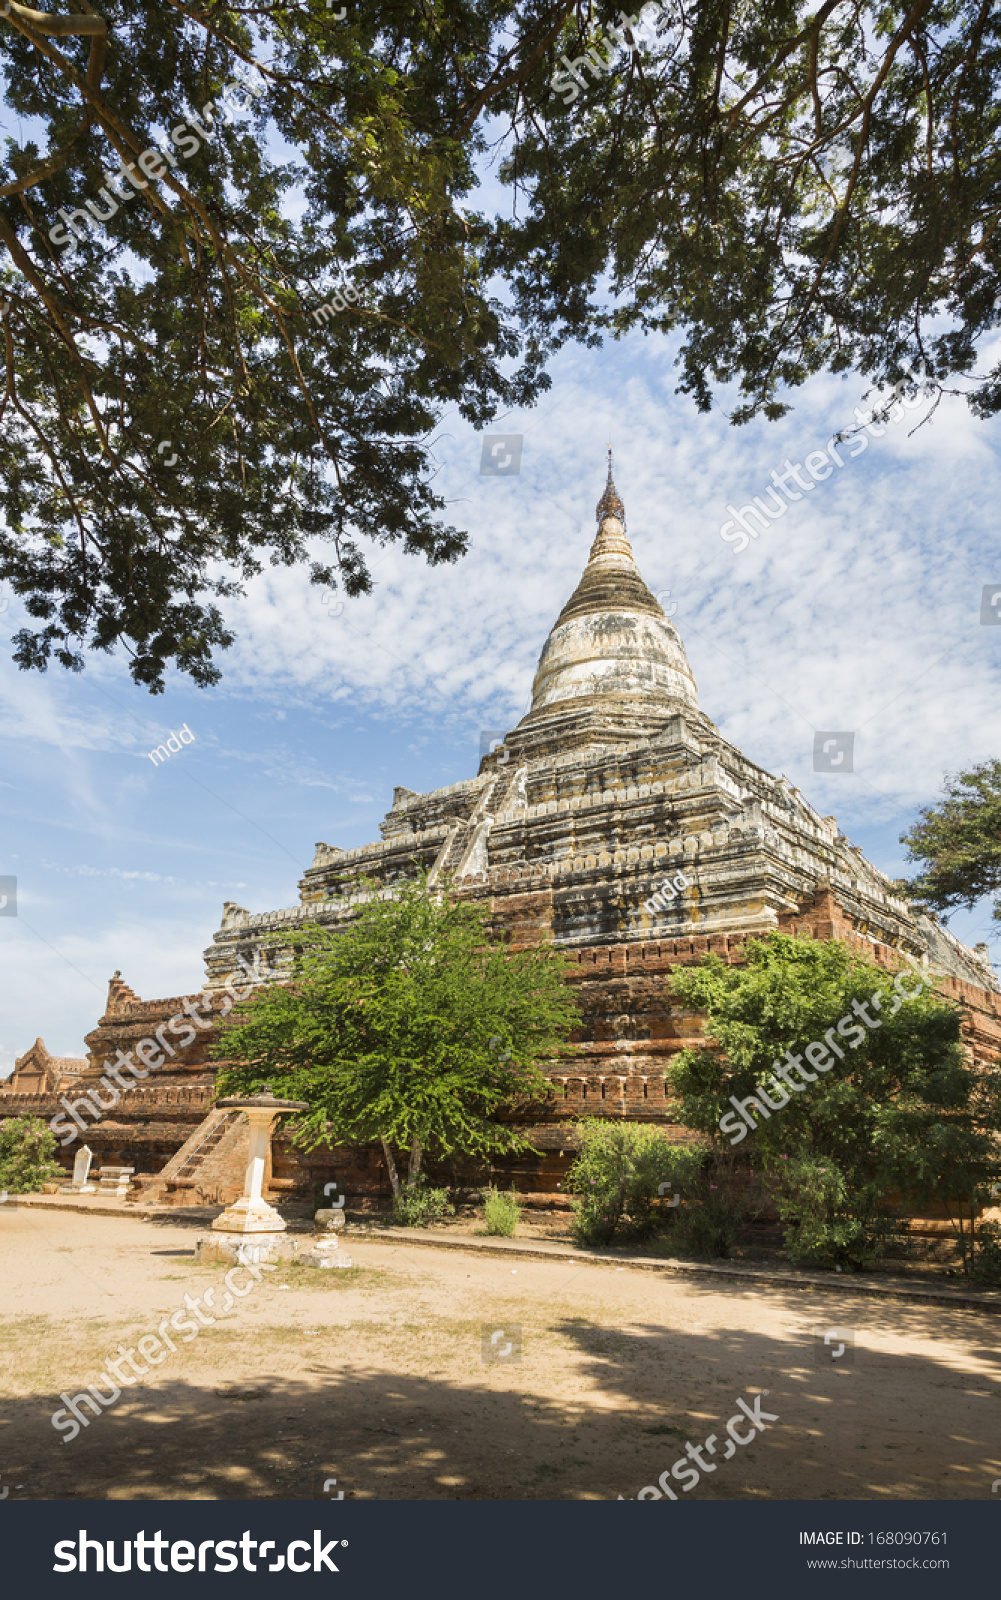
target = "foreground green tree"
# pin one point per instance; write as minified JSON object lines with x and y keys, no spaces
{"x":27,"y":1147}
{"x":959,"y":842}
{"x":867,"y":1100}
{"x":789,"y":189}
{"x":407,"y":1027}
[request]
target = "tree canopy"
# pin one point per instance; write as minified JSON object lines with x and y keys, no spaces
{"x":959,"y":842}
{"x":791,"y":190}
{"x":408,"y":1026}
{"x":878,"y":1100}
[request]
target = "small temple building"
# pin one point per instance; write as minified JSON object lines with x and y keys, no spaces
{"x":615,"y":820}
{"x":38,"y":1072}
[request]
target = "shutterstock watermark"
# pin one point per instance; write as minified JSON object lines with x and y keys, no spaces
{"x":151,"y":1348}
{"x":819,"y":1054}
{"x":341,"y":298}
{"x":834,"y":1346}
{"x":501,"y":455}
{"x":570,"y":82}
{"x":492,"y":739}
{"x":820,"y":464}
{"x":8,"y":897}
{"x":833,"y":752}
{"x":149,"y":1055}
{"x":154,"y":163}
{"x":688,"y":1475}
{"x":990,"y":605}
{"x":669,"y":890}
{"x":228,"y":1555}
{"x":173,"y":745}
{"x":500,"y":1344}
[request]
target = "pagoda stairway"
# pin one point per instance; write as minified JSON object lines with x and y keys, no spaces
{"x":208,"y":1167}
{"x":460,"y":840}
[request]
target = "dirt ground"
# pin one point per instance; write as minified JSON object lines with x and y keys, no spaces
{"x":376,"y":1377}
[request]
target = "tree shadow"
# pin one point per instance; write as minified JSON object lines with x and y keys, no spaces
{"x":591,"y":1410}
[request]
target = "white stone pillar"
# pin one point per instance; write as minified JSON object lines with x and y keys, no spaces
{"x":252,"y":1213}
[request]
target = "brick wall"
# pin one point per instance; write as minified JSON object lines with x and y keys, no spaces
{"x":632,"y":1026}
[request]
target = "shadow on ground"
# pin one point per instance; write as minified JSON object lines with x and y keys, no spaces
{"x":590,"y":1411}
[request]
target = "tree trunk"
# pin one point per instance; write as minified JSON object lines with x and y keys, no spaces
{"x":413,"y":1170}
{"x":394,"y":1176}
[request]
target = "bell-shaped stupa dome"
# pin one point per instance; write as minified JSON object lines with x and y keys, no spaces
{"x":612,"y":641}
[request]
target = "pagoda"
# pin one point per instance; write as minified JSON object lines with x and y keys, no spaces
{"x":613,"y":785}
{"x":615,"y":821}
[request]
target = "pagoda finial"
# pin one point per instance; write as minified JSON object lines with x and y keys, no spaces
{"x":610,"y":505}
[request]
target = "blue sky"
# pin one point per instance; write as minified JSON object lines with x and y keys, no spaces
{"x":858,"y":610}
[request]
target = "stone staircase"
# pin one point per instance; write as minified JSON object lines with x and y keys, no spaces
{"x":451,"y":852}
{"x":210,"y":1166}
{"x":463,"y":850}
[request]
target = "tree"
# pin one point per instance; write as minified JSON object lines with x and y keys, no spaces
{"x":796,"y":188}
{"x":27,"y":1146}
{"x":407,"y":1027}
{"x":890,"y":1110}
{"x":183,"y":397}
{"x":959,"y":840}
{"x":793,"y":191}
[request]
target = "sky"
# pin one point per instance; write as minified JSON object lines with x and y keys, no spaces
{"x":858,"y":611}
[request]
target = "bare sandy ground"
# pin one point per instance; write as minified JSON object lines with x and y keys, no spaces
{"x":376,"y":1377}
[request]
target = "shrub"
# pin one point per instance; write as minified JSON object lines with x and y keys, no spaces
{"x":617,"y":1175}
{"x":832,"y":1219}
{"x":501,"y":1211}
{"x":985,"y":1263}
{"x":26,"y":1147}
{"x":719,"y":1197}
{"x":417,"y":1204}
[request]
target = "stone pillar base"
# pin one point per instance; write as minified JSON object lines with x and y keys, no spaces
{"x":250,"y":1217}
{"x":269,"y":1249}
{"x":232,"y":1249}
{"x":329,"y":1220}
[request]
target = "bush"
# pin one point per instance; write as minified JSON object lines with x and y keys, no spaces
{"x":720,"y":1196}
{"x":985,"y":1264}
{"x":832,"y":1221}
{"x":502,"y":1212}
{"x":618,"y":1175}
{"x":416,"y":1205}
{"x":26,"y":1147}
